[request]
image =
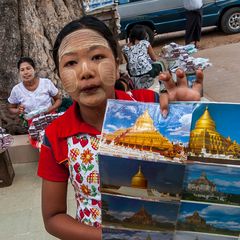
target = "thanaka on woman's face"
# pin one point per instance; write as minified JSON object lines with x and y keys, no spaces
{"x":87,"y":67}
{"x":26,"y":72}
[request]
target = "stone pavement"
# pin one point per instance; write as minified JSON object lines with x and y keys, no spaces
{"x":222,"y":80}
{"x":20,"y":208}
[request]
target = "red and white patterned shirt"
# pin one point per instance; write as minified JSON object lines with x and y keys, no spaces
{"x":84,"y":176}
{"x":69,"y":150}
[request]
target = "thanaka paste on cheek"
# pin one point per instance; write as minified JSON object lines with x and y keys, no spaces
{"x":107,"y":72}
{"x":69,"y":80}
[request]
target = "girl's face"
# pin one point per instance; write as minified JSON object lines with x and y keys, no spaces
{"x":26,"y":71}
{"x":87,"y":67}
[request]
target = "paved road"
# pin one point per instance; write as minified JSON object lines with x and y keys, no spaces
{"x":222,"y":80}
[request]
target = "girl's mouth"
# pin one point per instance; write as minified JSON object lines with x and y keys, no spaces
{"x":90,"y":89}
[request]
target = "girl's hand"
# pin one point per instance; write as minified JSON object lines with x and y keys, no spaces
{"x":179,"y":91}
{"x":21,"y":109}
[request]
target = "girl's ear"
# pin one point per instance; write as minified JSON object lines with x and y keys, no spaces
{"x":117,"y":61}
{"x":117,"y":74}
{"x":117,"y":71}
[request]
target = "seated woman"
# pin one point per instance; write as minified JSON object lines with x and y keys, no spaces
{"x":139,"y":54}
{"x":32,"y":93}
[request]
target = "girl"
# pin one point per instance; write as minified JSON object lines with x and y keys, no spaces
{"x":139,"y":54}
{"x":32,"y":93}
{"x":86,"y":56}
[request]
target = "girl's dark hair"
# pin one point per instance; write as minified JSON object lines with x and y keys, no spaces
{"x":138,"y":32}
{"x":86,"y":22}
{"x":25,"y":59}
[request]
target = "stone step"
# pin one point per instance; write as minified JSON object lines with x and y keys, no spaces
{"x":21,"y":151}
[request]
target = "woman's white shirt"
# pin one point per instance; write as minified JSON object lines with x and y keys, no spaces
{"x":41,"y":97}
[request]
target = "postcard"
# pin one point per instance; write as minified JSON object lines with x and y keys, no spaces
{"x":218,"y":184}
{"x":160,"y":181}
{"x":201,"y":236}
{"x":214,"y":136}
{"x":138,"y":130}
{"x":209,"y":218}
{"x":117,"y":234}
{"x":122,"y":212}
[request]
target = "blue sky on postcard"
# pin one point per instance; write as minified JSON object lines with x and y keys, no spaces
{"x":176,"y":127}
{"x":225,"y":217}
{"x":226,"y":178}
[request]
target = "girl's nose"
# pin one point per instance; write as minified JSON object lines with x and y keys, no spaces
{"x":86,"y":71}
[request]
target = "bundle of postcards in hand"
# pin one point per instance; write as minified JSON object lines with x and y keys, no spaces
{"x":5,"y":139}
{"x":38,"y":124}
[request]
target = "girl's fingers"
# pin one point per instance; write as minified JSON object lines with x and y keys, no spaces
{"x":167,"y":80}
{"x":181,"y":78}
{"x":164,"y":100}
{"x":198,"y":85}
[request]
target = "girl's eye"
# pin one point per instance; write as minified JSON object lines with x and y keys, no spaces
{"x":98,"y":57}
{"x":69,"y":63}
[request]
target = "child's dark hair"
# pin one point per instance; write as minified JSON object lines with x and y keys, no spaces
{"x":25,"y":59}
{"x":124,"y":83}
{"x":138,"y":32}
{"x":86,"y":22}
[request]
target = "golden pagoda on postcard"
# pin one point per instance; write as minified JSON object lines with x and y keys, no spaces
{"x":204,"y":138}
{"x":142,"y":135}
{"x":138,"y":180}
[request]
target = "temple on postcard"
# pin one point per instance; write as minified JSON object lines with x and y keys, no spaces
{"x":202,"y":184}
{"x":138,"y":180}
{"x":204,"y":139}
{"x":196,"y":219}
{"x":138,"y":187}
{"x":203,"y":188}
{"x":142,"y":135}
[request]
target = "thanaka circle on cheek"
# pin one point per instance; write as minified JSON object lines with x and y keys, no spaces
{"x":79,"y":40}
{"x":69,"y":80}
{"x":107,"y":72}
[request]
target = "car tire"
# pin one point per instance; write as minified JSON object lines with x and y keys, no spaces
{"x":230,"y":21}
{"x":150,"y":34}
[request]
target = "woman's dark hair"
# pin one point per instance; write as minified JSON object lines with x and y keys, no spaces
{"x":86,"y":22}
{"x":138,"y":32}
{"x":25,"y":59}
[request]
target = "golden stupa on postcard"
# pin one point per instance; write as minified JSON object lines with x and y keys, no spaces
{"x":138,"y":180}
{"x":204,"y":138}
{"x":142,"y":135}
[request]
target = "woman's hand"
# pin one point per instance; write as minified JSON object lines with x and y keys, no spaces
{"x":179,"y":91}
{"x":21,"y":109}
{"x":57,"y":103}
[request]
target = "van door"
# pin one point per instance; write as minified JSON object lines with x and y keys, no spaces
{"x":160,"y":15}
{"x":156,"y":13}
